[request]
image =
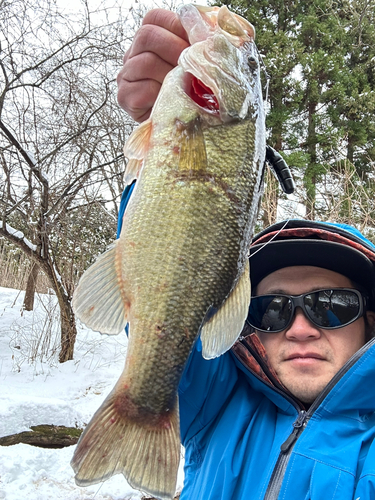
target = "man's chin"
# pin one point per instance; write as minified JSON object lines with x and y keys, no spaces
{"x":304,"y":390}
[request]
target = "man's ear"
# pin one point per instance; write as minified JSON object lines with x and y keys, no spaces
{"x":370,"y":316}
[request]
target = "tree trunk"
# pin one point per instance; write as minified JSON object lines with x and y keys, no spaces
{"x":270,"y":199}
{"x":67,"y":319}
{"x":68,"y":324}
{"x":350,"y":150}
{"x":28,"y":302}
{"x":310,"y":198}
{"x":310,"y":174}
{"x":68,"y":329}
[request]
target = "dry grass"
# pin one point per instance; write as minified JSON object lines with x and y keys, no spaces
{"x":35,"y":337}
{"x":15,"y":267}
{"x":347,"y":199}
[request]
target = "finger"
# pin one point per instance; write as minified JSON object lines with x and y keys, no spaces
{"x":151,"y":38}
{"x":167,"y":20}
{"x":137,"y":98}
{"x":142,"y":66}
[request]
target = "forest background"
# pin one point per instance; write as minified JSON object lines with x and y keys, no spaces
{"x":62,"y":131}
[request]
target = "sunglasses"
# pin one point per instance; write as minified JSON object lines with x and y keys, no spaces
{"x":329,"y":309}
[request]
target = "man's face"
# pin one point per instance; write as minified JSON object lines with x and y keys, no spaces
{"x":304,"y":356}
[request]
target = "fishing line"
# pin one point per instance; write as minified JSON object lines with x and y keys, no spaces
{"x":266,"y":74}
{"x":269,"y":241}
{"x":100,"y":487}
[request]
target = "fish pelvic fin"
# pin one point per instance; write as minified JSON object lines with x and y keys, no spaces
{"x":135,"y":150}
{"x":99,"y":301}
{"x":115,"y":441}
{"x":221,"y":331}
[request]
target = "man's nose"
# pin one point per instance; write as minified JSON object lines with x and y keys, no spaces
{"x":301,"y":327}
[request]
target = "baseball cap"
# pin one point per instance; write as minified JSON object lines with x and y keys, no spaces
{"x":338,"y":247}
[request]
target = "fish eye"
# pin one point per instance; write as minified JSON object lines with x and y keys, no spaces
{"x":253,"y":63}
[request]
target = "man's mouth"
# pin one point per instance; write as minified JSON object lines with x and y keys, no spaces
{"x":305,"y":355}
{"x":305,"y":359}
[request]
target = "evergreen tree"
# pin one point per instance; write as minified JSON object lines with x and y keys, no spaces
{"x":321,"y":59}
{"x":353,"y":109}
{"x":275,"y":28}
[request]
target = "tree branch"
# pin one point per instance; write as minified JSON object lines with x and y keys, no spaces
{"x":67,"y":190}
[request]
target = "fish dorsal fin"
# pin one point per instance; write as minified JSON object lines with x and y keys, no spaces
{"x":136,"y":148}
{"x":221,"y":331}
{"x":99,"y":300}
{"x":193,"y":156}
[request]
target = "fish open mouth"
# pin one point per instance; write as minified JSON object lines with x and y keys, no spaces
{"x":201,"y":94}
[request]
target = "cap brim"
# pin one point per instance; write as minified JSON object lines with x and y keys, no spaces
{"x":268,"y":257}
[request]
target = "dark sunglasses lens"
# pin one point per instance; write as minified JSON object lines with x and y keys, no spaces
{"x":270,"y":312}
{"x":332,"y":308}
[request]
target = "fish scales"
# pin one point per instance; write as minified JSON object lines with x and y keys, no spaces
{"x":180,"y":266}
{"x":188,"y":232}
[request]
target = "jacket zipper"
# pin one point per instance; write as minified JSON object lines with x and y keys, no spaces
{"x":303,"y":417}
{"x":286,"y":449}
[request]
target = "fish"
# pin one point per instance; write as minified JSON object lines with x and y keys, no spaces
{"x":179,"y":271}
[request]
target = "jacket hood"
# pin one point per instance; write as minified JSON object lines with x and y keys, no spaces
{"x":353,"y":395}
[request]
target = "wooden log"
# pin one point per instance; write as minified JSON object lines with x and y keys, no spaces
{"x":44,"y":436}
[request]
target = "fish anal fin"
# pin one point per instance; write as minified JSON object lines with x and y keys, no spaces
{"x":147,"y":454}
{"x":221,"y":331}
{"x":99,"y":301}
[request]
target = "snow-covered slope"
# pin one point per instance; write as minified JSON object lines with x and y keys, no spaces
{"x":46,"y":392}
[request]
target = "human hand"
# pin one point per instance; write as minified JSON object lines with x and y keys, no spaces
{"x":155,"y":50}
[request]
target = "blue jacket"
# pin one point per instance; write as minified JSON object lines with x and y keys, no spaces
{"x":246,"y":439}
{"x":233,"y":425}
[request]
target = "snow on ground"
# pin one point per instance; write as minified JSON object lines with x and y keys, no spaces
{"x":35,"y":389}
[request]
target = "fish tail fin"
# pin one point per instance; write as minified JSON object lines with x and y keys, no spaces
{"x":146,"y":453}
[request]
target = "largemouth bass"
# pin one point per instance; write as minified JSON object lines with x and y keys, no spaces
{"x":180,"y":267}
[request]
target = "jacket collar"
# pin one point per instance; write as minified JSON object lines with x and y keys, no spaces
{"x":353,"y":393}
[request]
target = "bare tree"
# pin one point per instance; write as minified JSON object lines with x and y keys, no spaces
{"x":61,"y":134}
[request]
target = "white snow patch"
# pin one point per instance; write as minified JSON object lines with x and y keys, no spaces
{"x":46,"y":392}
{"x":19,"y":235}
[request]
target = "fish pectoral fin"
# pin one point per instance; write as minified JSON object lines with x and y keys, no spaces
{"x":145,"y":451}
{"x":221,"y":331}
{"x":99,"y":300}
{"x":135,"y":150}
{"x":193,"y":156}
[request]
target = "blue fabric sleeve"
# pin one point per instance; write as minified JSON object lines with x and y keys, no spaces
{"x":124,"y":201}
{"x":204,"y":389}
